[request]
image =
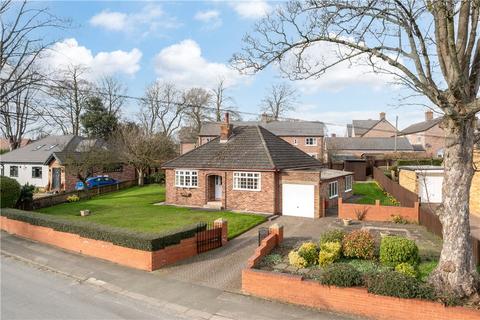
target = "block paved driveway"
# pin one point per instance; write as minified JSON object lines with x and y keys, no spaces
{"x":221,"y":268}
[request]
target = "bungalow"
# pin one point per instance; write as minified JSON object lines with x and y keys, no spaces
{"x":43,"y":163}
{"x":248,"y":168}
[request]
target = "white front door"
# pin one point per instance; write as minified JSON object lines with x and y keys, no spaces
{"x":298,"y":200}
{"x":430,"y":188}
{"x":218,"y":187}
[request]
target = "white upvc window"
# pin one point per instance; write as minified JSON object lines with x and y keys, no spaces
{"x":348,"y":183}
{"x":333,"y":189}
{"x":249,"y":181}
{"x":311,"y":141}
{"x":186,"y":178}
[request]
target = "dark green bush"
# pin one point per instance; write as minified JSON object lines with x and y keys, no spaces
{"x":9,"y":192}
{"x":157,"y":177}
{"x":395,"y":284}
{"x":26,"y":196}
{"x":359,"y":244}
{"x":117,"y":236}
{"x":335,"y":235}
{"x":418,"y":162}
{"x":341,"y":275}
{"x":395,"y":250}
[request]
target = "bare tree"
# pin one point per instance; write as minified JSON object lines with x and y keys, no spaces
{"x":162,"y":108}
{"x":222,"y":101}
{"x":432,"y":47}
{"x":280,"y":99}
{"x":22,"y":30}
{"x":112,"y":93}
{"x":197,"y":107}
{"x":143,"y":150}
{"x":69,"y":96}
{"x":18,"y":115}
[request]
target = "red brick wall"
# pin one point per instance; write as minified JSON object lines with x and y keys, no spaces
{"x":274,"y":238}
{"x":294,"y":289}
{"x":318,"y":149}
{"x":341,"y":192}
{"x":138,"y":259}
{"x":376,"y":212}
{"x":255,"y":201}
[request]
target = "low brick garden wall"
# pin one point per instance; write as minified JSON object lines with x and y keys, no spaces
{"x":296,"y":289}
{"x":134,"y":258}
{"x":377,"y":212}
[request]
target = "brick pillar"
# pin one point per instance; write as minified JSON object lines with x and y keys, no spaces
{"x":277,"y":230}
{"x":377,"y":203}
{"x":221,"y":223}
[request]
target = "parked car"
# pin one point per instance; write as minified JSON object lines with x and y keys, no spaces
{"x":98,"y":181}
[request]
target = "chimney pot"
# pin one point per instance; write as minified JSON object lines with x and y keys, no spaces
{"x":428,"y":115}
{"x":382,"y":115}
{"x":225,"y":129}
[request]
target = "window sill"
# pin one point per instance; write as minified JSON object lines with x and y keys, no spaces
{"x":348,"y":190}
{"x":255,"y":190}
{"x":184,"y":187}
{"x":333,"y":197}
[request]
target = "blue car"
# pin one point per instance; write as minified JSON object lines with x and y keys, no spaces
{"x":98,"y":181}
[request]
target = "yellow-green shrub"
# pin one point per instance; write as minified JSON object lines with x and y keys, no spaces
{"x":406,"y":268}
{"x":296,"y":260}
{"x":329,"y":253}
{"x":73,"y":198}
{"x":309,"y":252}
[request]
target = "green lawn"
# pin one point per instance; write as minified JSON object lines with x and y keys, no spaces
{"x":133,"y":209}
{"x":369,"y":192}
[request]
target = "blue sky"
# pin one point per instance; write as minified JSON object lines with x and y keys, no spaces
{"x":191,"y":42}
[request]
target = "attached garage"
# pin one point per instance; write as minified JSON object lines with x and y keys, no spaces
{"x":298,"y":200}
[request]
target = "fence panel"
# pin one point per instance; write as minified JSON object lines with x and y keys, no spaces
{"x":406,"y":197}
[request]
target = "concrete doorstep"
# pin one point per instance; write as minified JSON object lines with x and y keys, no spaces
{"x":178,"y":298}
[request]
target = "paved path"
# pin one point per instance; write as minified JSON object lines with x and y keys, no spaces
{"x":178,"y":298}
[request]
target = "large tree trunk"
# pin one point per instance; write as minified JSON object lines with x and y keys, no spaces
{"x":140,"y":177}
{"x":456,"y":269}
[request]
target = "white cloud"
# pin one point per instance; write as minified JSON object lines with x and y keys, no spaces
{"x":251,"y":9}
{"x":148,"y":20}
{"x":209,"y":17}
{"x":68,"y":52}
{"x":355,"y":71}
{"x":184,"y":64}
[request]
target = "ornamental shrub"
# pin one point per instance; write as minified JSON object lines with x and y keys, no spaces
{"x":329,"y":253}
{"x":294,"y":259}
{"x":335,"y":235}
{"x":9,"y":192}
{"x":309,"y":252}
{"x":395,"y":250}
{"x":341,"y":275}
{"x":359,"y":244}
{"x":406,"y":268}
{"x":396,"y":284}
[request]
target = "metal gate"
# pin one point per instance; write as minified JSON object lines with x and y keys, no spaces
{"x":208,"y":237}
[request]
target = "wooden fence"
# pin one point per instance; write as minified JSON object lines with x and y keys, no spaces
{"x":61,"y":197}
{"x":406,"y":197}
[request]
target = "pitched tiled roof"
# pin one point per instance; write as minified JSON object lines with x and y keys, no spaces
{"x":421,"y":126}
{"x":362,"y":126}
{"x":279,"y":128}
{"x":249,"y":147}
{"x":375,"y":144}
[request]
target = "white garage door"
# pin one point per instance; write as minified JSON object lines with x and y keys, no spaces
{"x":430,"y":188}
{"x":298,"y":200}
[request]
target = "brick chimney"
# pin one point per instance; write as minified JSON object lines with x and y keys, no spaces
{"x":382,"y":115}
{"x":225,"y":129}
{"x":428,"y":115}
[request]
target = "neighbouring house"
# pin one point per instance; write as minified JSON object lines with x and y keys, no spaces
{"x":428,"y":134}
{"x":371,"y":128}
{"x":307,"y":136}
{"x":43,"y":163}
{"x":188,"y":139}
{"x":248,"y":168}
{"x":5,"y":145}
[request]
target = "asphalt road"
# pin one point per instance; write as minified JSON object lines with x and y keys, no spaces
{"x":30,"y":293}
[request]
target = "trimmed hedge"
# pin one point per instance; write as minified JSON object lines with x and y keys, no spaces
{"x":117,"y":236}
{"x":341,"y":275}
{"x":9,"y":192}
{"x":395,"y":250}
{"x":396,"y":284}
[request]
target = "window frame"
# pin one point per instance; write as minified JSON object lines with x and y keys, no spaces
{"x":350,"y":179}
{"x":10,"y":172}
{"x":244,"y":174}
{"x":314,"y":141}
{"x":182,"y":173}
{"x":330,"y":184}
{"x":40,"y":169}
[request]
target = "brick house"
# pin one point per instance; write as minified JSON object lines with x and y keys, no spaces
{"x":43,"y":163}
{"x":304,"y":135}
{"x":428,"y":134}
{"x":248,"y":168}
{"x":371,"y":128}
